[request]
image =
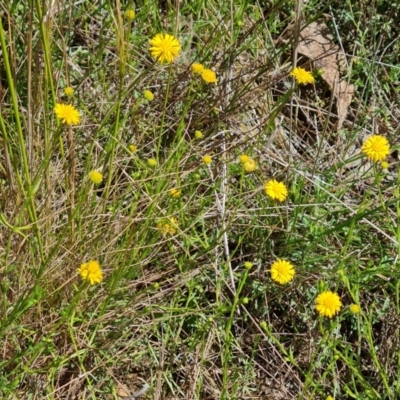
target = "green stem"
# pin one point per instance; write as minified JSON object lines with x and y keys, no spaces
{"x":228,"y":335}
{"x":164,"y":110}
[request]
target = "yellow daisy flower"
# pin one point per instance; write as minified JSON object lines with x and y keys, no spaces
{"x":175,"y":193}
{"x":376,"y":148}
{"x":151,"y":162}
{"x":165,"y":48}
{"x":384,"y":164}
{"x":276,"y":190}
{"x":148,"y":95}
{"x":197,"y":68}
{"x":243,"y":158}
{"x":330,"y":398}
{"x":96,"y":177}
{"x":354,"y":308}
{"x":248,"y":264}
{"x":250,"y":165}
{"x":302,"y":76}
{"x":207,"y":159}
{"x":132,"y":148}
{"x":198,"y":134}
{"x":328,"y":303}
{"x":91,"y":271}
{"x":130,"y":14}
{"x":209,"y":76}
{"x":282,"y":271}
{"x":168,"y":227}
{"x":69,"y":91}
{"x":67,"y":113}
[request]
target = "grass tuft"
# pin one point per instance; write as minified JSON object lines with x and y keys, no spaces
{"x":186,"y":209}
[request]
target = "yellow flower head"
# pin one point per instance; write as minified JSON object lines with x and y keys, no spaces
{"x":354,"y":308}
{"x":67,"y":113}
{"x":376,"y":148}
{"x":69,"y":91}
{"x":148,"y":95}
{"x":175,"y":193}
{"x":328,"y":304}
{"x":243,"y":158}
{"x":165,"y":48}
{"x":132,"y":148}
{"x":282,"y":271}
{"x":151,"y":162}
{"x":91,"y":271}
{"x":330,"y":398}
{"x":96,"y":177}
{"x":250,"y":165}
{"x":384,"y":164}
{"x":168,"y":227}
{"x":302,"y":76}
{"x":209,"y":76}
{"x":130,"y":14}
{"x":198,"y":134}
{"x":276,"y":190}
{"x":248,"y":264}
{"x":207,"y":159}
{"x":197,"y":68}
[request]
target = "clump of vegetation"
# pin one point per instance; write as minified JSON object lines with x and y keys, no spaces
{"x":189,"y":207}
